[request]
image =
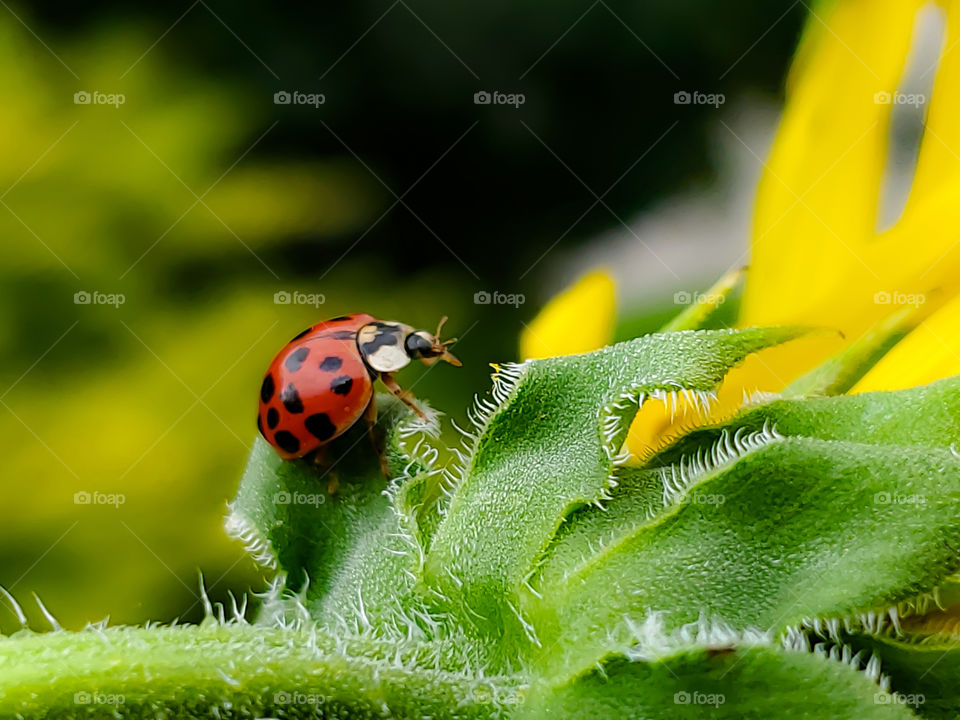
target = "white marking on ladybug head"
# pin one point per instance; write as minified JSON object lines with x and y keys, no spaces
{"x":381,"y":345}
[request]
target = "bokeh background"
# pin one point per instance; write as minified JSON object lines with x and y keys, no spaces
{"x":199,"y":198}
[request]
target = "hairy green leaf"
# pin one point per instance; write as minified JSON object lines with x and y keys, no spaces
{"x":552,"y":445}
{"x":354,"y":552}
{"x":927,"y":416}
{"x":727,"y":682}
{"x":232,"y":671}
{"x":546,"y":578}
{"x":793,"y":528}
{"x":923,"y":675}
{"x":637,"y":497}
{"x":703,"y":306}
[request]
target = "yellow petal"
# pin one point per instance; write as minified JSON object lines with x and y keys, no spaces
{"x":659,"y":422}
{"x":841,"y":372}
{"x":817,"y":202}
{"x":579,"y":319}
{"x":931,"y":352}
{"x":768,"y":371}
{"x":921,"y":251}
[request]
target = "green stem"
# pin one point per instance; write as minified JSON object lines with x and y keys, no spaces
{"x":229,"y":670}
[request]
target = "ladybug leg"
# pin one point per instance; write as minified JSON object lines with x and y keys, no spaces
{"x":370,"y":416}
{"x":391,"y":384}
{"x":320,"y":460}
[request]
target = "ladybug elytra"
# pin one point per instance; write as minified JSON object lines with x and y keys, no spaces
{"x":321,"y":383}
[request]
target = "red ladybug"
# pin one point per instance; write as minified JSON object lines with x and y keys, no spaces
{"x":321,"y":383}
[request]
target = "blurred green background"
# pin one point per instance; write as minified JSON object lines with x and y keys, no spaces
{"x":198,"y":198}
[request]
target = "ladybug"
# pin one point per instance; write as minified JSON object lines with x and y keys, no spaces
{"x":321,"y":383}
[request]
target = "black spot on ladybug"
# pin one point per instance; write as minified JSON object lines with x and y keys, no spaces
{"x":386,"y":335}
{"x":266,"y":390}
{"x":320,"y":427}
{"x":260,"y":425}
{"x":287,"y":441}
{"x":340,"y":335}
{"x":291,"y":399}
{"x":331,"y":363}
{"x":340,"y":318}
{"x":299,"y":335}
{"x":273,"y":418}
{"x":296,"y":358}
{"x":341,"y":385}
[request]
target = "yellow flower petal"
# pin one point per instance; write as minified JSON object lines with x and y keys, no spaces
{"x":817,"y":202}
{"x":931,"y":352}
{"x":659,"y":422}
{"x":921,"y":252}
{"x":768,"y":371}
{"x":579,"y":319}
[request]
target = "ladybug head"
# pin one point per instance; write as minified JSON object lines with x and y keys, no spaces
{"x":421,"y":345}
{"x":389,"y":346}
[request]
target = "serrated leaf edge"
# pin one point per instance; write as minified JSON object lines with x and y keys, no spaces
{"x":255,"y":543}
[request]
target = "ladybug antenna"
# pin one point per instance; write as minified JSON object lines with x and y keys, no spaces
{"x":441,"y":346}
{"x":436,"y":335}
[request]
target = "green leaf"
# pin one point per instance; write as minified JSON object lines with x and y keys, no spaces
{"x":922,"y":675}
{"x":926,"y":416}
{"x":841,"y":372}
{"x":550,"y":579}
{"x":634,"y":501}
{"x":705,"y":305}
{"x":354,"y":553}
{"x":715,"y":682}
{"x":783,"y":530}
{"x":549,"y":446}
{"x":233,"y":671}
